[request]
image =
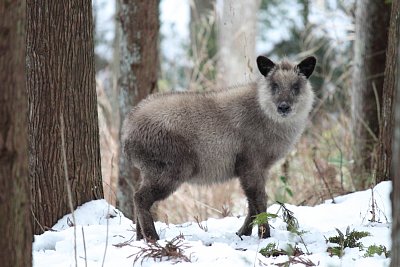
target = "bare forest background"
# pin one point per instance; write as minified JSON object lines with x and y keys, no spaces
{"x":65,"y":96}
{"x":338,"y":153}
{"x":348,"y":143}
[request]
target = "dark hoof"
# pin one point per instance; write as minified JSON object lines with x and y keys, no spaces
{"x":239,"y":236}
{"x":244,"y":231}
{"x":149,"y":237}
{"x":139,"y":235}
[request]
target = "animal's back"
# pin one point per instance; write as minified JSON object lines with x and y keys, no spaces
{"x":186,"y":127}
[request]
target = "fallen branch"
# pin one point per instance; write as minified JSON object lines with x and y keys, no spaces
{"x":173,"y":250}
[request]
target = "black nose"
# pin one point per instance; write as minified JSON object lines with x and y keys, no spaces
{"x":284,"y":108}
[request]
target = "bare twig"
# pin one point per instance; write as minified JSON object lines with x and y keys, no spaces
{"x":36,"y":220}
{"x":69,"y":193}
{"x":125,"y":243}
{"x":258,"y":246}
{"x":341,"y":162}
{"x":323,"y":179}
{"x":105,"y":249}
{"x":111,"y":190}
{"x":84,"y":246}
{"x":207,"y":206}
{"x":108,"y":219}
{"x":301,"y":260}
{"x":202,"y":227}
{"x":294,"y":254}
{"x":226,"y":211}
{"x":368,"y":128}
{"x":373,"y":219}
{"x":173,"y":250}
{"x":378,"y":105}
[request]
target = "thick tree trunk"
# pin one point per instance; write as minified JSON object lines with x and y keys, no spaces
{"x":61,"y":82}
{"x":16,"y":234}
{"x":372,"y":21}
{"x":139,"y":24}
{"x":384,"y":157}
{"x":237,"y":37}
{"x":395,"y":261}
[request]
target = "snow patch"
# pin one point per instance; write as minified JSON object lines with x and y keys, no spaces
{"x":219,"y":245}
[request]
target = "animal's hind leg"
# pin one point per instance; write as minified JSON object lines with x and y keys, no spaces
{"x":157,"y":185}
{"x":139,"y":234}
{"x":144,"y":198}
{"x":160,"y":178}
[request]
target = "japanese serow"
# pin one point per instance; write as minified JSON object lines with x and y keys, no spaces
{"x":211,"y":137}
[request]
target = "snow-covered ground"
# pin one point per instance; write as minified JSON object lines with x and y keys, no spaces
{"x":107,"y":232}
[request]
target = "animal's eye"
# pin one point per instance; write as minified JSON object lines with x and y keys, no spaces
{"x":296,"y":88}
{"x":274,"y":87}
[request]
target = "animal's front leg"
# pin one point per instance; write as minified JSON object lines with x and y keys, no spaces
{"x":254,"y":188}
{"x":247,"y":226}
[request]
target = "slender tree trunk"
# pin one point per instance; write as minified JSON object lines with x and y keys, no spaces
{"x":237,"y":37}
{"x":372,"y":21}
{"x":139,"y":24}
{"x":61,"y":82}
{"x":16,"y":234}
{"x":395,"y":258}
{"x":384,"y":157}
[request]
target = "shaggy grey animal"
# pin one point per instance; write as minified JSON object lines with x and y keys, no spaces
{"x":212,"y":137}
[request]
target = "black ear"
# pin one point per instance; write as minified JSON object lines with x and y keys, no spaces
{"x":306,"y":67}
{"x":265,"y":65}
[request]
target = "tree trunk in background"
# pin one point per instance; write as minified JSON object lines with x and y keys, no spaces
{"x":16,"y":234}
{"x":139,"y":66}
{"x":395,"y":254}
{"x":384,"y":157}
{"x":237,"y":38}
{"x":61,"y":82}
{"x":372,"y":21}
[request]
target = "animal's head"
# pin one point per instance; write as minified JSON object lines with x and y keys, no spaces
{"x":284,"y":91}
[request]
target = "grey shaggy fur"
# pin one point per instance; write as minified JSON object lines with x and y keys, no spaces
{"x":212,"y":137}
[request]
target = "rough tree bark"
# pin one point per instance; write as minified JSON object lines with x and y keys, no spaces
{"x":395,"y":258}
{"x":61,"y":82}
{"x":16,"y":233}
{"x":372,"y":21}
{"x":384,"y":156}
{"x":139,"y":25}
{"x":237,"y":37}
